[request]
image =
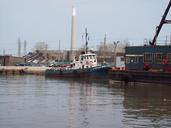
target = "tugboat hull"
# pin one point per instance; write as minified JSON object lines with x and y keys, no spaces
{"x":94,"y":72}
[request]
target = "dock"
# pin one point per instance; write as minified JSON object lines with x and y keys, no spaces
{"x":21,"y":70}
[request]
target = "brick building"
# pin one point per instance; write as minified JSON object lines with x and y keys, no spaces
{"x":8,"y":60}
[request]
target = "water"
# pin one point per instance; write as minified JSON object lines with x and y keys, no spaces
{"x":39,"y":102}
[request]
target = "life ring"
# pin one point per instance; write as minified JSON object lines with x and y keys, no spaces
{"x":165,"y":61}
{"x":146,"y":67}
{"x":87,"y":62}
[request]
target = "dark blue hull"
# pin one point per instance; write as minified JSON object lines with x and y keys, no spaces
{"x":95,"y":72}
{"x":141,"y":76}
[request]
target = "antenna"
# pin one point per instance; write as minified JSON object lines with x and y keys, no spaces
{"x":104,"y":48}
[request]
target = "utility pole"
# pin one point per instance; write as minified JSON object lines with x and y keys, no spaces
{"x":25,"y":48}
{"x":104,"y":48}
{"x":59,"y":45}
{"x":4,"y":52}
{"x":166,"y":40}
{"x":19,"y":47}
{"x":170,"y":39}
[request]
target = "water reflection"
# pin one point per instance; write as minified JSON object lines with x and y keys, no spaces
{"x":147,"y":106}
{"x":80,"y":103}
{"x":39,"y":102}
{"x":91,"y":104}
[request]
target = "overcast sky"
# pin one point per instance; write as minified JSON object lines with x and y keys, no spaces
{"x":50,"y":21}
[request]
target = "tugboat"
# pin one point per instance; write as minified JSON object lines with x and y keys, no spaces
{"x":85,"y":66}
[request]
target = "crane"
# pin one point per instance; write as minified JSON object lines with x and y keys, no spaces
{"x":163,"y":21}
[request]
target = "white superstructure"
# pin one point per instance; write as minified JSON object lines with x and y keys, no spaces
{"x":85,"y":61}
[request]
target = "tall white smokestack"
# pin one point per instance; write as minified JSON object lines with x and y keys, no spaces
{"x":73,"y":32}
{"x":73,"y":12}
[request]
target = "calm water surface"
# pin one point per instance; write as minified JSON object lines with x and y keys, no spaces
{"x":39,"y":102}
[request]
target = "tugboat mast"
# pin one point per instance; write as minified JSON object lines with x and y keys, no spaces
{"x":87,"y":38}
{"x":163,"y":21}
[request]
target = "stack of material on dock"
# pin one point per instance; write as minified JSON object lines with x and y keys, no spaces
{"x":22,"y":70}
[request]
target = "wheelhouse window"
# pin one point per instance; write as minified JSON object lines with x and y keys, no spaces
{"x":82,"y":58}
{"x":127,"y":60}
{"x":87,"y":57}
{"x":158,"y":58}
{"x":131,"y":59}
{"x":148,"y":58}
{"x":93,"y":57}
{"x":169,"y":58}
{"x":122,"y":58}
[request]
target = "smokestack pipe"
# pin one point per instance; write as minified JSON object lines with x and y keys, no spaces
{"x":73,"y":33}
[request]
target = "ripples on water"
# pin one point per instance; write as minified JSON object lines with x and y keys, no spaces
{"x":39,"y":102}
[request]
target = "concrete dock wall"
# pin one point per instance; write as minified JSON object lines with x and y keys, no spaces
{"x":19,"y":70}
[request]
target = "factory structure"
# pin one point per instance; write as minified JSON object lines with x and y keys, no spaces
{"x":48,"y":57}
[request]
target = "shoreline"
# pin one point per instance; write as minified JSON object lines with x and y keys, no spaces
{"x":18,"y":70}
